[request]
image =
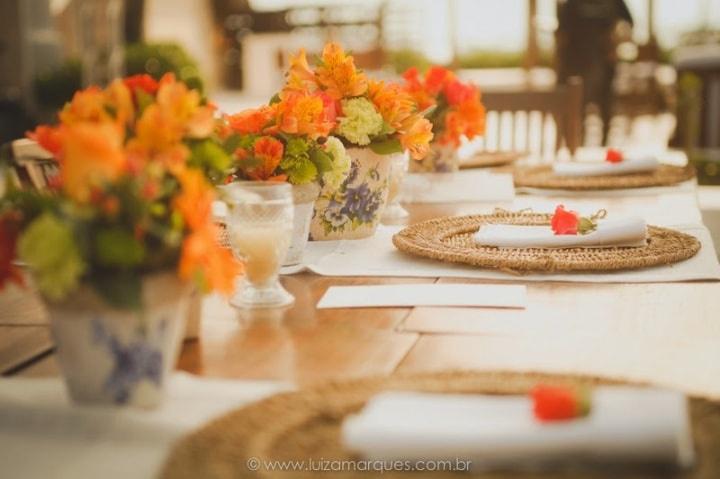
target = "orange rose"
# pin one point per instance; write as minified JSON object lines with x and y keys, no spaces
{"x":337,"y":73}
{"x":565,"y":222}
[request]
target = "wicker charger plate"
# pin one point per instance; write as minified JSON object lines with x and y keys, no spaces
{"x":543,"y":177}
{"x":306,"y":425}
{"x":451,"y":239}
{"x":485,"y":159}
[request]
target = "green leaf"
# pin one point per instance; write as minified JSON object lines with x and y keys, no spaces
{"x":232,"y":143}
{"x":586,"y":226}
{"x":207,"y":154}
{"x":274,"y":99}
{"x":120,"y":289}
{"x":386,"y":147}
{"x":144,"y":100}
{"x":299,"y":171}
{"x":322,"y":160}
{"x":118,"y":248}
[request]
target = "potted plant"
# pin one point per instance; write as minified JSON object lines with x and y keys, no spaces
{"x":455,"y":110}
{"x":125,"y":228}
{"x":278,"y":142}
{"x":375,"y":120}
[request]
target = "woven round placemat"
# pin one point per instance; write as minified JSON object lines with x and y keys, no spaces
{"x":484,"y":159}
{"x":306,"y":424}
{"x":451,"y":239}
{"x":543,"y":177}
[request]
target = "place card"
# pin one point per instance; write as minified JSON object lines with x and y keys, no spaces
{"x":397,"y":295}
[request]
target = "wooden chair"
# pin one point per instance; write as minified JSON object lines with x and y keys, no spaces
{"x":562,"y":104}
{"x":32,"y":167}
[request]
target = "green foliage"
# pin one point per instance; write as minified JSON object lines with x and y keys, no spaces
{"x":116,"y":248}
{"x":322,"y":160}
{"x":211,"y":158}
{"x":386,"y":147}
{"x":401,"y":60}
{"x":58,"y":269}
{"x":299,"y":171}
{"x":156,"y":59}
{"x":54,"y":87}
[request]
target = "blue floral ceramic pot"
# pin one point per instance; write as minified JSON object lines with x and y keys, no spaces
{"x":120,"y":357}
{"x":353,"y":211}
{"x":440,"y":159}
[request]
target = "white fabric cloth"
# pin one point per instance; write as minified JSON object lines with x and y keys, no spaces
{"x":460,"y":187}
{"x":604,"y":168}
{"x":609,"y":233}
{"x":689,"y":186}
{"x":377,"y":256}
{"x":43,"y":435}
{"x":626,"y":424}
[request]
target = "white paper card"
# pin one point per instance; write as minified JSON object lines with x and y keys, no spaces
{"x":388,"y":295}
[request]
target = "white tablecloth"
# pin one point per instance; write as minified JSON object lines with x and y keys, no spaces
{"x":42,"y":435}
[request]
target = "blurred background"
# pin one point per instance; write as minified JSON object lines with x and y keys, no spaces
{"x":650,"y":68}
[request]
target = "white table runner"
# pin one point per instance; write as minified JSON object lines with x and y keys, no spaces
{"x":461,"y":187}
{"x":377,"y":256}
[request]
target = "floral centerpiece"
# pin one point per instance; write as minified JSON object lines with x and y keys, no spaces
{"x":375,"y":120}
{"x":453,"y":107}
{"x":289,"y":140}
{"x":114,"y":243}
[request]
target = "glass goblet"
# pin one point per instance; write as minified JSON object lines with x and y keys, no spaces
{"x":393,"y":209}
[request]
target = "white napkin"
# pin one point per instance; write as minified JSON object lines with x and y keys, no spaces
{"x":603,"y":168}
{"x":626,"y":424}
{"x":630,"y":231}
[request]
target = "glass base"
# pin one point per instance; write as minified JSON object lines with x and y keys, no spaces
{"x":251,"y":296}
{"x":394,"y":211}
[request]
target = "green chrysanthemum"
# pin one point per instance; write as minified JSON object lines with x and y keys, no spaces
{"x":360,"y":121}
{"x":48,"y":247}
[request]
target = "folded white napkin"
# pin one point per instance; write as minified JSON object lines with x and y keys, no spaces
{"x":609,"y":233}
{"x":626,"y":424}
{"x":603,"y":168}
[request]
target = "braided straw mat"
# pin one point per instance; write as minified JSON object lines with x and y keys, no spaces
{"x":543,"y":177}
{"x":306,"y":424}
{"x":491,"y":158}
{"x":450,"y":239}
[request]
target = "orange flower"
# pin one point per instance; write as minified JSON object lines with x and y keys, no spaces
{"x":182,"y":106}
{"x":436,"y":78}
{"x":203,"y":257}
{"x":251,"y":121}
{"x":415,"y":136}
{"x":337,"y":73}
{"x":118,"y":98}
{"x":92,"y":155}
{"x":467,"y":119}
{"x":156,"y":130}
{"x":195,"y":199}
{"x":457,"y":92}
{"x":393,"y":103}
{"x":47,"y":137}
{"x":300,"y":76}
{"x":142,"y":82}
{"x":86,"y":106}
{"x":416,"y":89}
{"x":269,"y":152}
{"x":304,"y":113}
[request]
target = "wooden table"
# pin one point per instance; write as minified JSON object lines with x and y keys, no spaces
{"x":306,"y":345}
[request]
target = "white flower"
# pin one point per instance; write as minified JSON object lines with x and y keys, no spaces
{"x":334,"y":178}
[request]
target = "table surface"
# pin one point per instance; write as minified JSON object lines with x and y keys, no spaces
{"x":306,"y":345}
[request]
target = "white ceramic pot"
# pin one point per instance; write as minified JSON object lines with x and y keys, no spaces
{"x":304,"y":197}
{"x":121,"y":357}
{"x":440,"y":159}
{"x":353,"y":211}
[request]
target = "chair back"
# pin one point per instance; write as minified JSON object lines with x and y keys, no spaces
{"x":32,"y":167}
{"x":512,"y":119}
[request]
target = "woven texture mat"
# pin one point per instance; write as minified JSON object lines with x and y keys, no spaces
{"x":451,"y":239}
{"x":543,"y":177}
{"x":306,"y":425}
{"x":491,"y":158}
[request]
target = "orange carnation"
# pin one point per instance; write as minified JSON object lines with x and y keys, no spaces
{"x":337,"y":73}
{"x":269,"y":151}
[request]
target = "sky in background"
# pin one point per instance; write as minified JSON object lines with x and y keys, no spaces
{"x":502,"y":24}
